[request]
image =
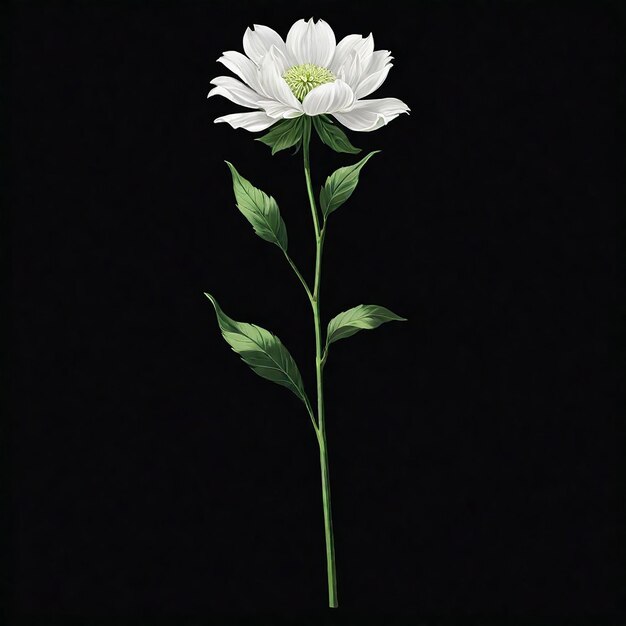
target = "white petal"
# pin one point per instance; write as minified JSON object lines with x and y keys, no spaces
{"x":357,"y":61}
{"x":365,"y":50}
{"x":325,"y":43}
{"x":372,"y":82}
{"x":308,"y":42}
{"x":383,"y":106}
{"x":351,"y":71}
{"x":368,"y":115}
{"x":298,"y":39}
{"x":235,"y":91}
{"x":278,"y":110}
{"x":363,"y":47}
{"x":241,"y":65}
{"x":273,"y":84}
{"x":362,"y":121}
{"x":342,"y":52}
{"x":280,"y":59}
{"x":250,"y":121}
{"x":380,"y":58}
{"x":258,"y":41}
{"x":328,"y":98}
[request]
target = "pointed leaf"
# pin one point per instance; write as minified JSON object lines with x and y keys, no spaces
{"x":333,"y":136}
{"x":362,"y":317}
{"x":285,"y":134}
{"x":340,"y":185}
{"x":262,"y":351}
{"x":259,"y":209}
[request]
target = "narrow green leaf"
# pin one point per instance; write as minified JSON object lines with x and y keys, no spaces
{"x":333,"y":136}
{"x":262,"y":351}
{"x":283,"y":135}
{"x":340,"y":185}
{"x":259,"y":209}
{"x":362,"y":317}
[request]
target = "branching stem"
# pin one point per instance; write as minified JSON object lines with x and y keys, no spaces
{"x":299,"y":275}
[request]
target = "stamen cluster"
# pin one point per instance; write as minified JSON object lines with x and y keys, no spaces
{"x":304,"y":78}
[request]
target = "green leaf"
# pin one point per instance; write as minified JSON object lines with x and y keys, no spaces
{"x":283,"y":135}
{"x":260,"y":210}
{"x":362,"y":317}
{"x":262,"y":351}
{"x":340,"y":185}
{"x":333,"y":136}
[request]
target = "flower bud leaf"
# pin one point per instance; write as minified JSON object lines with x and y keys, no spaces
{"x":333,"y":136}
{"x":259,"y":209}
{"x":340,"y":185}
{"x":262,"y":351}
{"x":285,"y":134}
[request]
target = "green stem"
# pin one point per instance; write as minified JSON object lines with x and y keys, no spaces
{"x":319,"y":369}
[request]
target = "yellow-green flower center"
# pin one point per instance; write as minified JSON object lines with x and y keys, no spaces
{"x":303,"y":78}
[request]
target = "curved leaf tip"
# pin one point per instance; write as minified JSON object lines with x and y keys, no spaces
{"x":212,"y":299}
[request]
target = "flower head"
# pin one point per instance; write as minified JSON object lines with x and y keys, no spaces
{"x":308,"y":74}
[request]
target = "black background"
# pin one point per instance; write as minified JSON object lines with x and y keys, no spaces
{"x":475,"y":450}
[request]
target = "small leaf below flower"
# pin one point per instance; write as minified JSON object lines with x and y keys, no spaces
{"x":283,"y":135}
{"x":333,"y":136}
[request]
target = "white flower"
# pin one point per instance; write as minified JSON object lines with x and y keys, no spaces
{"x":309,"y":74}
